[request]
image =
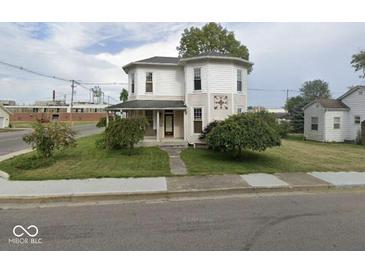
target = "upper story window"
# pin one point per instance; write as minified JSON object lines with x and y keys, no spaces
{"x":239,"y":80}
{"x":132,"y":83}
{"x":239,"y":110}
{"x":149,"y":82}
{"x":314,"y":123}
{"x":197,"y":79}
{"x":336,"y":122}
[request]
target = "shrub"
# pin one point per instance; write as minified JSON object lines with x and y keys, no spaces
{"x":125,"y":133}
{"x":284,"y":128}
{"x":208,"y":129}
{"x":50,"y":137}
{"x":246,"y":131}
{"x":101,"y":122}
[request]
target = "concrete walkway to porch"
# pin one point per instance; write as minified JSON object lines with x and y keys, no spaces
{"x":177,"y":166}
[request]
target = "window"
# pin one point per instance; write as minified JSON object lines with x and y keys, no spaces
{"x":198,"y":123}
{"x":239,"y":110}
{"x":357,"y":119}
{"x":336,"y":122}
{"x":149,"y":84}
{"x":132,"y":82}
{"x":197,"y":79}
{"x":314,"y":122}
{"x":239,"y":80}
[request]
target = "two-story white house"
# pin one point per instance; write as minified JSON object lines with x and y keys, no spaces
{"x":180,"y":96}
{"x":336,"y":120}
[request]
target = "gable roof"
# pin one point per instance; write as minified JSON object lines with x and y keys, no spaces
{"x":149,"y":104}
{"x":329,"y":104}
{"x":350,"y":91}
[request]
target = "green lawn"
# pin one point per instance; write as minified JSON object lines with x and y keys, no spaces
{"x":294,"y":155}
{"x":86,"y":161}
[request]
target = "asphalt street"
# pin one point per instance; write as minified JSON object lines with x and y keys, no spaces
{"x":297,"y":221}
{"x":12,"y":141}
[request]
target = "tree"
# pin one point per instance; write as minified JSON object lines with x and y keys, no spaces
{"x":245,"y":131}
{"x":293,"y":102}
{"x":48,"y":138}
{"x":315,"y":89}
{"x":310,"y":90}
{"x":125,"y":133}
{"x":123,"y":95}
{"x":358,"y":62}
{"x":212,"y":37}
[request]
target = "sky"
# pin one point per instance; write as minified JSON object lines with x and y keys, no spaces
{"x":284,"y":54}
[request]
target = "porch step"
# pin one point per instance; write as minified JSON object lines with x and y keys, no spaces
{"x":173,"y":144}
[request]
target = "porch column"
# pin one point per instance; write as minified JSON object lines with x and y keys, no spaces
{"x":158,"y":126}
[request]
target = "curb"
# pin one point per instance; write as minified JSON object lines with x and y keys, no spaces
{"x":16,"y":153}
{"x":129,"y":196}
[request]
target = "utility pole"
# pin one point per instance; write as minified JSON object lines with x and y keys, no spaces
{"x":287,"y":95}
{"x":72,"y":99}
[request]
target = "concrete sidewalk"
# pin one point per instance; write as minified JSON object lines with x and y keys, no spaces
{"x":188,"y":186}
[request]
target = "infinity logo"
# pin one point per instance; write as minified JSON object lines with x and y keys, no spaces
{"x":22,"y":230}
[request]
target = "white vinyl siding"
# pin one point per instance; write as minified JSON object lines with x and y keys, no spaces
{"x":356,"y":103}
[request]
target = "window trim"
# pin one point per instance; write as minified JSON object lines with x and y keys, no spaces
{"x":312,"y":124}
{"x":149,"y":82}
{"x":193,"y":119}
{"x":357,"y":121}
{"x":239,"y":82}
{"x":133,"y":84}
{"x":336,"y":123}
{"x":200,"y":76}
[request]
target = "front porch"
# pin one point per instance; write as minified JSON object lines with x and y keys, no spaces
{"x":167,"y":119}
{"x":163,"y":125}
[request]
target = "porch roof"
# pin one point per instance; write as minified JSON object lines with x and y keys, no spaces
{"x":148,"y":104}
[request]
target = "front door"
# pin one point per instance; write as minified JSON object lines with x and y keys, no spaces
{"x":169,"y":124}
{"x":363,"y":132}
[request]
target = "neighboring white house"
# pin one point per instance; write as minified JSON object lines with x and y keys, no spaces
{"x":4,"y":117}
{"x":180,"y":96}
{"x":335,"y":120}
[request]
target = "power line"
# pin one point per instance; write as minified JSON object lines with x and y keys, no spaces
{"x":103,"y":83}
{"x":34,"y":72}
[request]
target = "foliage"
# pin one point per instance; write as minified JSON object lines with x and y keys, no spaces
{"x":284,"y":128}
{"x":315,"y":89}
{"x":309,"y":91}
{"x":47,"y":138}
{"x":212,"y":37}
{"x":208,"y":129}
{"x":102,"y":120}
{"x":293,"y":102}
{"x":123,"y":95}
{"x":245,"y":131}
{"x":125,"y":133}
{"x":358,"y":62}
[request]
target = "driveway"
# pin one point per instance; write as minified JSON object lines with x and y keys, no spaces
{"x":12,"y":141}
